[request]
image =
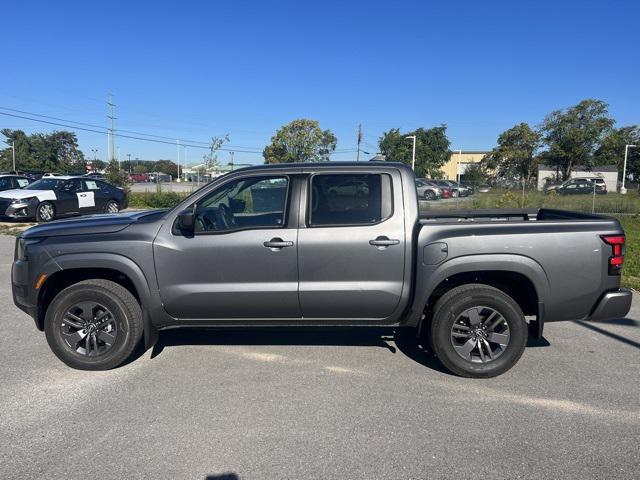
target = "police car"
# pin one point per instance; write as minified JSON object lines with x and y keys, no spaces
{"x":54,"y":197}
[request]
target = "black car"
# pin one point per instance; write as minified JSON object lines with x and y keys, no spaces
{"x":54,"y":197}
{"x":12,"y":182}
{"x":577,"y":187}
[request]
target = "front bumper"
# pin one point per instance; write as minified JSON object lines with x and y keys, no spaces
{"x":20,"y":210}
{"x":23,"y":296}
{"x":612,"y":305}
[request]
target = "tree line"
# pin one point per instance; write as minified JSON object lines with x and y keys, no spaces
{"x":583,"y":134}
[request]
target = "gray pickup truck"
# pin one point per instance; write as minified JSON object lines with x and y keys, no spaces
{"x":324,"y":244}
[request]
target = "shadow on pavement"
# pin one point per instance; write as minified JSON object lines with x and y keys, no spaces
{"x":626,"y":322}
{"x":404,"y":339}
{"x":223,"y":476}
{"x":615,"y":336}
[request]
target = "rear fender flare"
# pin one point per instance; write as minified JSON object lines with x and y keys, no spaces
{"x":427,"y":281}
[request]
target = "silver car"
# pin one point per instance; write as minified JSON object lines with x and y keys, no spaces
{"x":427,"y":190}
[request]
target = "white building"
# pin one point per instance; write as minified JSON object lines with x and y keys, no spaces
{"x":609,"y":173}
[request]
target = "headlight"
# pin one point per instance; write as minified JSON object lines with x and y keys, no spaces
{"x":22,"y":245}
{"x":17,"y":201}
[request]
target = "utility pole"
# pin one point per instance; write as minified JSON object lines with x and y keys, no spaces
{"x":413,"y":157}
{"x":359,"y":140}
{"x":185,"y":161}
{"x":624,"y":168}
{"x":13,"y":149}
{"x":112,"y":140}
{"x":458,"y":167}
{"x":178,"y":161}
{"x":231,"y":153}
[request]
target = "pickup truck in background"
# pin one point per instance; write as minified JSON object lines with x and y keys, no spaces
{"x":290,"y":245}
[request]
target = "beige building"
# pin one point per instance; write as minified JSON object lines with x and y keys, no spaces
{"x":458,"y":162}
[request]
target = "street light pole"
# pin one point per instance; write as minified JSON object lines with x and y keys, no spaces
{"x":413,"y":156}
{"x":458,"y":165}
{"x":13,"y":148}
{"x":624,"y":168}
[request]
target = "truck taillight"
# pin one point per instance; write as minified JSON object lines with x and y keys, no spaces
{"x":616,"y":260}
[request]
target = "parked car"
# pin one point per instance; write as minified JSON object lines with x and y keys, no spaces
{"x":12,"y":182}
{"x":484,"y":188}
{"x":97,"y":175}
{"x":600,"y":186}
{"x":139,"y":177}
{"x":292,"y":256}
{"x":427,"y":190}
{"x":55,"y":197}
{"x":471,"y":188}
{"x":577,"y":186}
{"x":456,"y":189}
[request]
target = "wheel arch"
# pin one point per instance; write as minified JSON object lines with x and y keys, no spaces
{"x":73,"y":268}
{"x":518,"y":276}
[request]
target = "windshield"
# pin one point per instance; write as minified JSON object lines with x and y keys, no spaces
{"x":45,"y":184}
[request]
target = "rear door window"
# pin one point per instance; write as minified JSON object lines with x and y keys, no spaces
{"x":350,"y":199}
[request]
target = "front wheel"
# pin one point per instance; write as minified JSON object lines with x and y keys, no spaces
{"x":93,"y":325}
{"x":45,"y":212}
{"x":429,"y":195}
{"x":478,"y":331}
{"x":111,"y":207}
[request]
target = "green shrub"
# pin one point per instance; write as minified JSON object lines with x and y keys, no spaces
{"x":155,"y":199}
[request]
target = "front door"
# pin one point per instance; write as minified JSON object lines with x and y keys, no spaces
{"x":241,"y":261}
{"x":68,"y":197}
{"x":352,"y":248}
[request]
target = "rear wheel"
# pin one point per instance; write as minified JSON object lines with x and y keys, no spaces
{"x":45,"y":212}
{"x":93,"y":325}
{"x":111,"y":207}
{"x":478,"y":331}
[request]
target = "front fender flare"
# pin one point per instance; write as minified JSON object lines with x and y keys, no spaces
{"x":119,"y":263}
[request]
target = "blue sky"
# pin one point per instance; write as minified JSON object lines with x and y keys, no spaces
{"x":195,"y":69}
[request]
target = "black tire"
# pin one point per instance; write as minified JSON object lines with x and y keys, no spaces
{"x":429,"y":195}
{"x":42,"y":210}
{"x":109,"y":205}
{"x":460,"y":299}
{"x":126,"y":313}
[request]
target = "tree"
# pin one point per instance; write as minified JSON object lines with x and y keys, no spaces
{"x":166,"y":166}
{"x":432,"y":149}
{"x":300,"y":141}
{"x":573,"y":135}
{"x":211,"y":159}
{"x":611,"y":150}
{"x":514,"y":157}
{"x":115,"y":175}
{"x":57,"y":151}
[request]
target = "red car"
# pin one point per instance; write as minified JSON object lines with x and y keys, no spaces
{"x":446,"y":193}
{"x":139,"y":177}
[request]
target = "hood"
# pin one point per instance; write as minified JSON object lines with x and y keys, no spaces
{"x":92,"y":224}
{"x":20,"y":193}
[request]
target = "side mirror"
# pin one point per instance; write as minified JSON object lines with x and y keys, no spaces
{"x":186,"y":220}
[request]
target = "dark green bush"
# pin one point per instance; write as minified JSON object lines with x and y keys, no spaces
{"x":155,"y":199}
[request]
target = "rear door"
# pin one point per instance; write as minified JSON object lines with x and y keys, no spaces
{"x":352,"y":246}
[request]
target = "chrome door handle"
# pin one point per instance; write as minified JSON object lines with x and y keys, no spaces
{"x":277,"y":244}
{"x":383,"y":242}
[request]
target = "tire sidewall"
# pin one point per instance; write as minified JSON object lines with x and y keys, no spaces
{"x":53,"y":319}
{"x":39,"y":218}
{"x":449,"y":312}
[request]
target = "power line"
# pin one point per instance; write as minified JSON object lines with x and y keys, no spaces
{"x":173,"y":139}
{"x":122,"y":135}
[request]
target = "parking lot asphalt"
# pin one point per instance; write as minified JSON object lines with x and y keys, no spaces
{"x":324,"y":404}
